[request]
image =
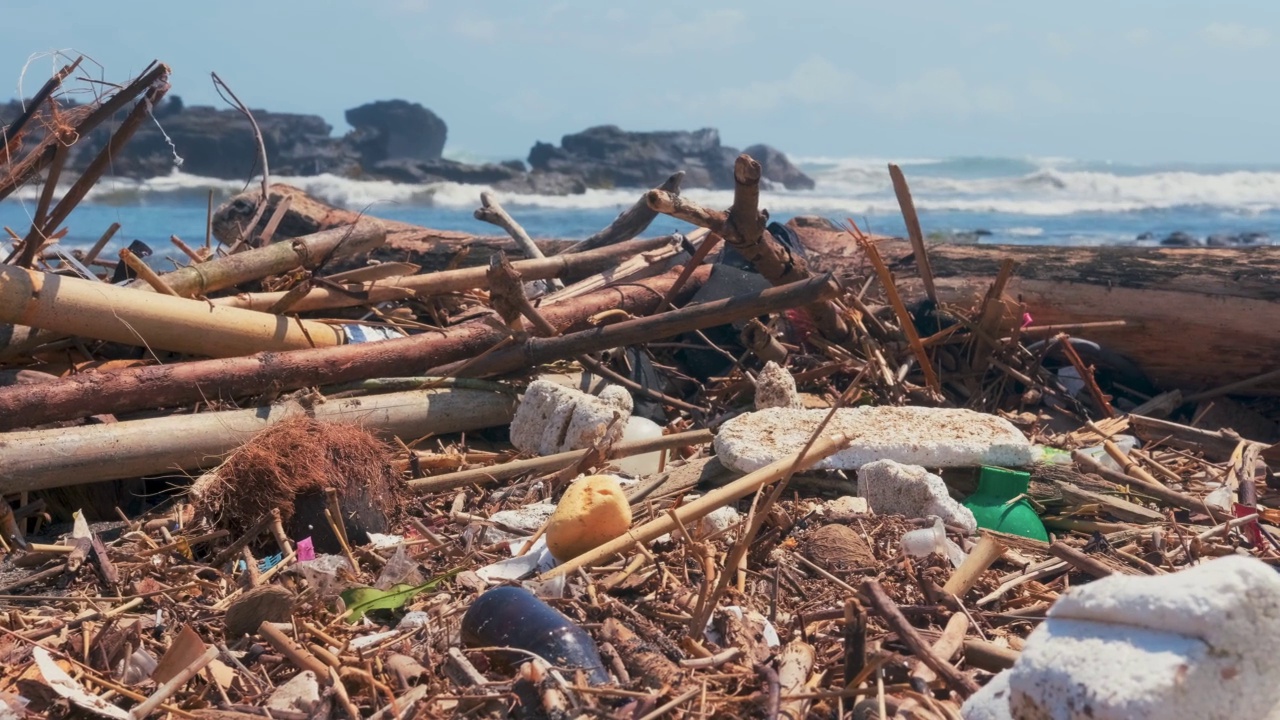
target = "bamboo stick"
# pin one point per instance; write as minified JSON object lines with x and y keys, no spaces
{"x":551,"y":463}
{"x":306,"y":251}
{"x":699,"y":508}
{"x":440,"y":283}
{"x":988,"y":550}
{"x":160,"y":322}
{"x":165,"y":690}
{"x":42,"y":459}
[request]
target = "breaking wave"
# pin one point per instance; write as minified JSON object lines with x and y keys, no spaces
{"x":852,"y":186}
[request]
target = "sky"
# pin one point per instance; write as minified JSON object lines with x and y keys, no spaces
{"x":1122,"y":80}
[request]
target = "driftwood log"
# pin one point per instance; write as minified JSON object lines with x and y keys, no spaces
{"x":1197,"y":318}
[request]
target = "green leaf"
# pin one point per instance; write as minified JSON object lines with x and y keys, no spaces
{"x":360,"y":600}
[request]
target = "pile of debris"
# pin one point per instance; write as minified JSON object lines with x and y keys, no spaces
{"x":338,"y":466}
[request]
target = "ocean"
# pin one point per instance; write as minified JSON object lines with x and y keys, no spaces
{"x":1054,"y":201}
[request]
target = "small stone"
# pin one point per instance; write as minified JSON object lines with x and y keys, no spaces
{"x":838,"y":548}
{"x":552,"y":418}
{"x":776,"y":388}
{"x":300,"y":694}
{"x":897,"y":489}
{"x":268,"y":602}
{"x":593,"y":511}
{"x":932,"y":437}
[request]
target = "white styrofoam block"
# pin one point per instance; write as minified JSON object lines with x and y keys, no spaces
{"x":775,"y":387}
{"x":1082,"y":669}
{"x":896,"y":489}
{"x":991,"y":702}
{"x":552,"y":418}
{"x":1193,"y":644}
{"x":931,"y":437}
{"x":1231,"y":603}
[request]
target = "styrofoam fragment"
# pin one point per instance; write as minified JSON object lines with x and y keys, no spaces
{"x":552,"y":418}
{"x":931,"y":437}
{"x":775,"y":387}
{"x":991,"y":702}
{"x":300,"y":694}
{"x":895,"y":489}
{"x":1194,"y":644}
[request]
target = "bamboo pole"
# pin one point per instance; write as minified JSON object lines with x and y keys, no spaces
{"x":307,"y":251}
{"x":43,"y":459}
{"x":221,"y":273}
{"x":551,"y":463}
{"x":697,"y":509}
{"x":440,"y":283}
{"x":160,"y":322}
{"x":988,"y":550}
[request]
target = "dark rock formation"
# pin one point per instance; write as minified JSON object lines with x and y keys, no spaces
{"x":395,"y":129}
{"x":215,"y":143}
{"x":607,"y":156}
{"x":1180,"y":239}
{"x":776,"y":167}
{"x":402,"y":141}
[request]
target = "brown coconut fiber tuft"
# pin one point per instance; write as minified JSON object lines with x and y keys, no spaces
{"x":295,"y":461}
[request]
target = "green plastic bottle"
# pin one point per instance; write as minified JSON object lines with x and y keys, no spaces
{"x":993,"y":510}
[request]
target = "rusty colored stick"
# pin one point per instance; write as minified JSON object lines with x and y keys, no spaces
{"x":886,"y":608}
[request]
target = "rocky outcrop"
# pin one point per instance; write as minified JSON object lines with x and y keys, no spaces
{"x":216,"y":143}
{"x":607,"y":156}
{"x":402,"y":141}
{"x":394,"y":130}
{"x":777,"y":168}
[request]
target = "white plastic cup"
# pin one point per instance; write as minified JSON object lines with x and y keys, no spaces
{"x":925,"y":542}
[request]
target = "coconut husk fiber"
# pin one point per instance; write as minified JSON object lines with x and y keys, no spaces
{"x":289,"y":466}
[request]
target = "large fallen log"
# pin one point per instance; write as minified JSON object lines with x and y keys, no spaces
{"x":1196,"y":318}
{"x":43,"y":459}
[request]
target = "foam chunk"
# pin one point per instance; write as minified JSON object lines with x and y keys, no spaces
{"x":552,"y":418}
{"x":894,"y":488}
{"x":1194,"y":644}
{"x":931,"y":437}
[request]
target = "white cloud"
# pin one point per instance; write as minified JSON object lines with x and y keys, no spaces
{"x":668,"y":33}
{"x":1236,"y":35}
{"x":819,"y":84}
{"x":814,"y":81}
{"x":478,"y":29}
{"x":942,"y":91}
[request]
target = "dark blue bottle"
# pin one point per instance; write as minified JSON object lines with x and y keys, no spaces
{"x":511,"y":616}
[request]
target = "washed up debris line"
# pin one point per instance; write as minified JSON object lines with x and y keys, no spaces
{"x":697,"y":478}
